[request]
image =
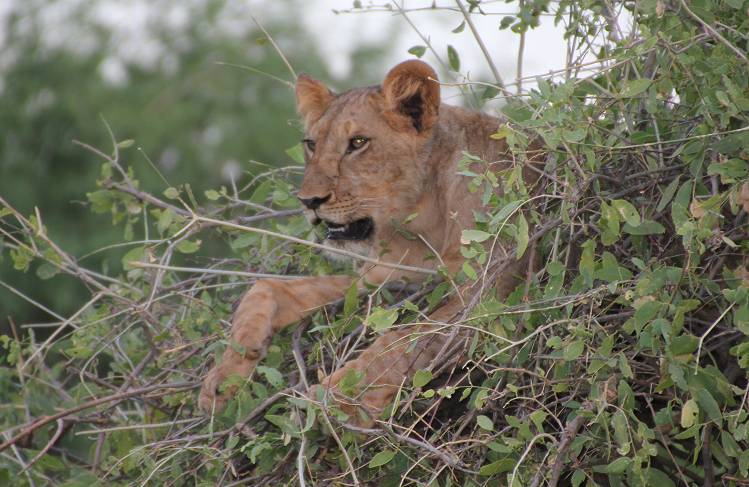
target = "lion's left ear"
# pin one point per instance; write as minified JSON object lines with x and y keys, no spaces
{"x":411,"y":90}
{"x":312,"y":98}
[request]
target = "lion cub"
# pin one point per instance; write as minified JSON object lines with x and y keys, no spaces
{"x":374,"y":156}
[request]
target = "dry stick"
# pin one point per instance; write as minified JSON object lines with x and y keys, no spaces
{"x":256,"y":71}
{"x":275,"y":46}
{"x":707,"y":458}
{"x":68,"y":263}
{"x":146,"y":197}
{"x":403,"y":13}
{"x":526,"y":452}
{"x":521,"y":51}
{"x":90,"y":404}
{"x":314,"y":245}
{"x":448,"y":459}
{"x":218,"y":272}
{"x":484,"y":50}
{"x":714,"y":32}
{"x":707,"y":332}
{"x":63,"y":325}
{"x":58,"y":433}
{"x":337,"y":439}
{"x":569,"y":434}
{"x":31,"y":301}
{"x":299,"y":359}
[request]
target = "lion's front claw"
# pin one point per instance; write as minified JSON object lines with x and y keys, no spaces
{"x":213,"y":398}
{"x":209,"y":399}
{"x":362,"y":410}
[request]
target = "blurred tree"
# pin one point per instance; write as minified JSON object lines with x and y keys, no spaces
{"x":178,"y":93}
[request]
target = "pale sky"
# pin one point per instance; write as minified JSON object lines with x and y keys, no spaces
{"x":336,"y":35}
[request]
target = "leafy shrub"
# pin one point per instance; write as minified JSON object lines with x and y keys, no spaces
{"x":623,"y":361}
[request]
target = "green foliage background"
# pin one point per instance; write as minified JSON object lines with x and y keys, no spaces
{"x":622,"y":362}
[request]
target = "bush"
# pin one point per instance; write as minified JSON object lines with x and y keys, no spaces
{"x":623,"y":361}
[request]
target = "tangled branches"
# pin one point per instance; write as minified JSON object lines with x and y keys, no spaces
{"x":622,"y":361}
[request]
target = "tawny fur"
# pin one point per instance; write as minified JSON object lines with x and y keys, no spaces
{"x":409,"y":166}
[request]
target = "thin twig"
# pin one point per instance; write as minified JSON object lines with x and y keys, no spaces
{"x":495,"y":72}
{"x":90,"y":404}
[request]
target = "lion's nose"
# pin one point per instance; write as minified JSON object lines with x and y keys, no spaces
{"x":314,"y":202}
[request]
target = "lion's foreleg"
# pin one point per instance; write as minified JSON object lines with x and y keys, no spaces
{"x":267,"y":307}
{"x":389,"y":363}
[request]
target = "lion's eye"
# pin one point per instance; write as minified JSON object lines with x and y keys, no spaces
{"x":356,"y":143}
{"x":309,"y":144}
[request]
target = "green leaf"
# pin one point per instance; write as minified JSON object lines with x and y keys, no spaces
{"x":484,"y":422}
{"x":502,"y":132}
{"x":47,"y":271}
{"x":165,"y":220}
{"x":574,"y":136}
{"x":453,"y":58}
{"x":610,"y":270}
{"x":709,"y":405}
{"x":646,"y":227}
{"x":574,"y":350}
{"x":469,"y":236}
{"x":188,"y":246}
{"x":459,"y":28}
{"x":133,"y":255}
{"x":577,"y":478}
{"x":351,"y":300}
{"x":538,"y":417}
{"x":689,"y":413}
{"x":489,"y":93}
{"x":296,"y":153}
{"x":101,"y":200}
{"x":212,"y":194}
{"x":417,"y":51}
{"x":171,"y":193}
{"x":125,"y":143}
{"x":667,"y":194}
{"x":469,"y":271}
{"x":349,"y":382}
{"x":381,"y":319}
{"x":503,"y":465}
{"x":381,"y":458}
{"x":656,"y":477}
{"x":521,"y":236}
{"x":506,"y":211}
{"x":506,"y":22}
{"x":421,"y":378}
{"x":627,"y":211}
{"x":284,"y":423}
{"x":646,"y":312}
{"x":683,"y":345}
{"x":729,"y":171}
{"x":587,"y":262}
{"x":273,"y":376}
{"x":618,"y":466}
{"x":635,"y":87}
{"x":621,"y":432}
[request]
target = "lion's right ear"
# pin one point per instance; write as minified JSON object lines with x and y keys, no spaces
{"x":312,"y":98}
{"x":412,"y":93}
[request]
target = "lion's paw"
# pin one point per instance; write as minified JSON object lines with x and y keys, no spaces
{"x":212,"y":397}
{"x":364,"y":408}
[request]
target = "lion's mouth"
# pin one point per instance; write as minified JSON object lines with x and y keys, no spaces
{"x":356,"y":230}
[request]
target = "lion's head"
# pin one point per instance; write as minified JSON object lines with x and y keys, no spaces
{"x":367,"y":153}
